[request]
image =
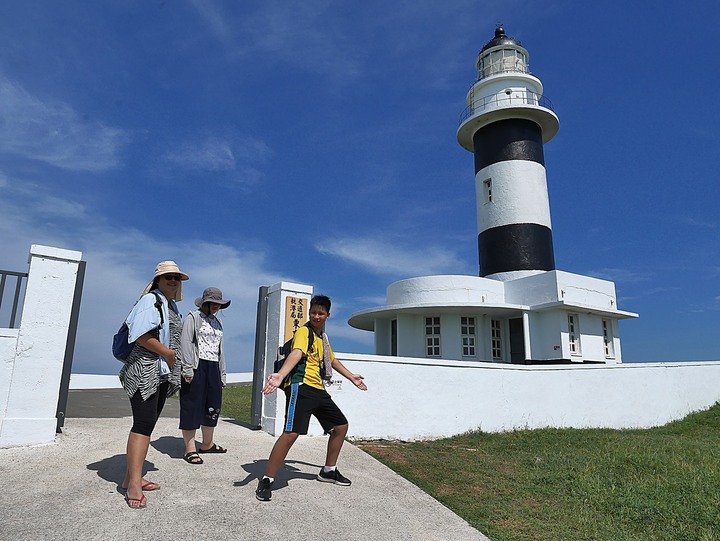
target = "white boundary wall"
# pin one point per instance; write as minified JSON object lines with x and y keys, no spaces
{"x":416,"y":399}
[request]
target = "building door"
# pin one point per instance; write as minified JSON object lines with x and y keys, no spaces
{"x":517,"y":341}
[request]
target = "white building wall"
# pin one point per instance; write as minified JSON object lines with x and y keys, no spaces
{"x":483,"y":336}
{"x":593,"y":344}
{"x":441,"y":290}
{"x":447,"y":398}
{"x":450,"y":336}
{"x":617,"y":358}
{"x":411,"y":330}
{"x":545,"y":334}
{"x":383,"y":336}
{"x":532,"y":290}
{"x":585,"y":290}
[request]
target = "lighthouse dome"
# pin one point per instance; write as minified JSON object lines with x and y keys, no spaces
{"x":501,"y":38}
{"x":501,"y":54}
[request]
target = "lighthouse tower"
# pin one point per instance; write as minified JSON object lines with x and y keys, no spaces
{"x":505,"y":124}
{"x":520,"y":309}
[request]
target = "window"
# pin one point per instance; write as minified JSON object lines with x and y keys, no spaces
{"x":488,"y":190}
{"x":608,"y":338}
{"x":496,"y":340}
{"x":432,"y":336}
{"x":574,"y":334}
{"x":467,"y":332}
{"x":500,"y":61}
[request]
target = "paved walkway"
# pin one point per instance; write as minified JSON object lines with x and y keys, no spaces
{"x":69,"y":490}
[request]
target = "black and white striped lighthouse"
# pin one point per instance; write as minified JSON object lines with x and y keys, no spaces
{"x":505,"y":124}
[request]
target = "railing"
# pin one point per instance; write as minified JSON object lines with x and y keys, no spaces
{"x":20,"y":283}
{"x":516,"y":66}
{"x":505,"y":99}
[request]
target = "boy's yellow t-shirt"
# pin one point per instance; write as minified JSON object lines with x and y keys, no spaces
{"x":307,"y":371}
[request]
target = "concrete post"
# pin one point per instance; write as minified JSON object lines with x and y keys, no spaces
{"x":281,"y":297}
{"x":29,"y":415}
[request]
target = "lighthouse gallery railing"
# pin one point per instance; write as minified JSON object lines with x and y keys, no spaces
{"x":509,"y":98}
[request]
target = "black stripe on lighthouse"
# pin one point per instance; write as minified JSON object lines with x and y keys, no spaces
{"x":511,"y":139}
{"x":512,"y":246}
{"x":516,"y":247}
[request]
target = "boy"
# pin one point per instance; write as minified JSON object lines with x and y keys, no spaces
{"x":306,"y":396}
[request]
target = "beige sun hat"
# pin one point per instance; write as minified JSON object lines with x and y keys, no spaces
{"x":167,"y":267}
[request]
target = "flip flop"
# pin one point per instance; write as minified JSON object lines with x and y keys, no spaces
{"x":193,"y":458}
{"x":214,"y":449}
{"x":146,"y":486}
{"x":136,"y":503}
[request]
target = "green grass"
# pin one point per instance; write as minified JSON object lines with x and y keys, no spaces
{"x":656,"y":484}
{"x":236,"y":401}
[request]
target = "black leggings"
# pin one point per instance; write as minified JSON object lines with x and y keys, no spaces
{"x":147,"y":412}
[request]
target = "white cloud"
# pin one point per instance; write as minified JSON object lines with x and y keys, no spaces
{"x":303,"y":34}
{"x":54,"y":133}
{"x":384,"y":258}
{"x":209,"y":155}
{"x":220,"y":155}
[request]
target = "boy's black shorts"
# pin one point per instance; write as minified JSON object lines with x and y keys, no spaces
{"x":304,"y":401}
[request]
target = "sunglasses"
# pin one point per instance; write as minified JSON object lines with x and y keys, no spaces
{"x":175,"y":277}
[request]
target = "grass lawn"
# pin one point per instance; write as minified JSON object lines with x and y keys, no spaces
{"x":656,"y":484}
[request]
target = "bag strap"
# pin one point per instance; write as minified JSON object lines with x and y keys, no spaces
{"x":158,"y":305}
{"x":311,"y":337}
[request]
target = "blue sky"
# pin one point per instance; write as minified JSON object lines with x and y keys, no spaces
{"x":314,"y":142}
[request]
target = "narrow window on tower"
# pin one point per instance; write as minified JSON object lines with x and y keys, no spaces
{"x":432,"y":336}
{"x":488,"y":190}
{"x":573,"y":334}
{"x":467,"y":332}
{"x":608,"y":339}
{"x":496,"y":340}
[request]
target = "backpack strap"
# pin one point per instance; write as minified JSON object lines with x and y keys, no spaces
{"x":311,"y":337}
{"x":158,"y":305}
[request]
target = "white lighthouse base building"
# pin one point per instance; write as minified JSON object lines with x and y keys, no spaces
{"x":549,"y":317}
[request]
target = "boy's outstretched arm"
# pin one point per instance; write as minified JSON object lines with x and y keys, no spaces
{"x":276,"y":378}
{"x":356,"y":379}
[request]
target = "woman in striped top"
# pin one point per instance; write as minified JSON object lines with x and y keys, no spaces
{"x":152,"y":370}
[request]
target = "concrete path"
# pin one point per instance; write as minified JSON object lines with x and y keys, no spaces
{"x":69,"y":491}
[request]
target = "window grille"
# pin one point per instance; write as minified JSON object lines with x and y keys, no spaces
{"x":496,"y":340}
{"x":467,"y":331}
{"x":432,"y":336}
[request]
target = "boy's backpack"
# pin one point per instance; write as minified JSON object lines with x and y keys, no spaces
{"x":121,"y":348}
{"x":286,"y":348}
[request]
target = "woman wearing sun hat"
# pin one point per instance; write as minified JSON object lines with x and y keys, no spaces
{"x":152,"y":370}
{"x":203,"y":374}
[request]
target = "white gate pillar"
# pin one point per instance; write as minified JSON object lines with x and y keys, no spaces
{"x":283,"y":317}
{"x":29,"y":416}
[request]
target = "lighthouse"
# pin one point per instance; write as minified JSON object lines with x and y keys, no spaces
{"x":520,"y":309}
{"x":505,"y":124}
